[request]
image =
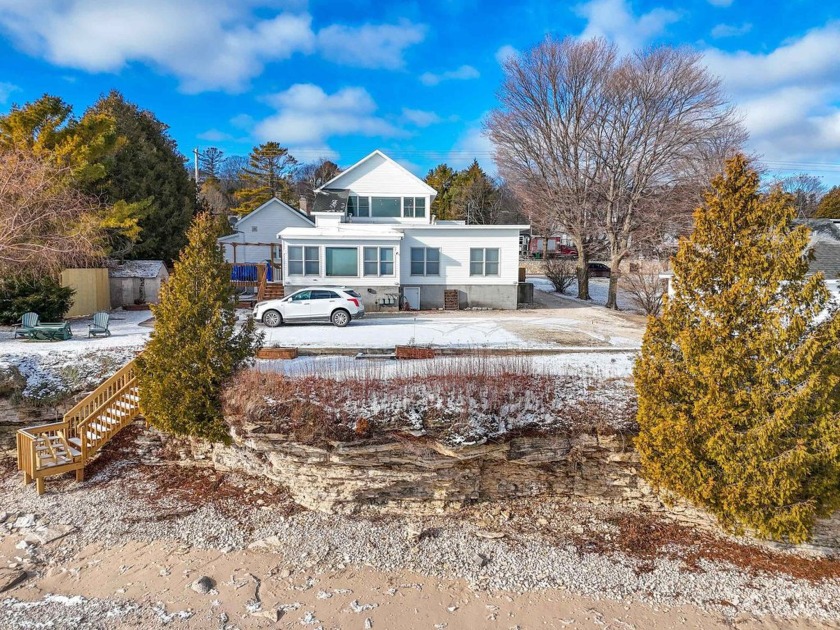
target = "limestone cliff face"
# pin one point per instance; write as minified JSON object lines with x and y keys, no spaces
{"x":407,"y":475}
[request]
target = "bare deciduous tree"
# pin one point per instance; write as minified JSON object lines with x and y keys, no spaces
{"x":552,"y":99}
{"x":645,"y":288}
{"x":807,"y":191}
{"x":601,"y":147}
{"x":45,"y":225}
{"x":663,"y":116}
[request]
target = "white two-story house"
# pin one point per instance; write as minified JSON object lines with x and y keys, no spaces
{"x":373,"y":231}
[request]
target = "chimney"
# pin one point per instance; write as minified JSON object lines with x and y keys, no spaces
{"x":303,"y":204}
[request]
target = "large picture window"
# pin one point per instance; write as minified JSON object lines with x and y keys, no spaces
{"x":425,"y":261}
{"x":379,"y":261}
{"x":384,"y":206}
{"x":342,"y":261}
{"x":484,"y":261}
{"x":304,"y":261}
{"x":414,"y":207}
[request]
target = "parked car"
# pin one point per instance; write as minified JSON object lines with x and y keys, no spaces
{"x":599,"y":270}
{"x":338,"y":305}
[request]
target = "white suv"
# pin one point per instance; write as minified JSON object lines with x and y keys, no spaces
{"x":338,"y":305}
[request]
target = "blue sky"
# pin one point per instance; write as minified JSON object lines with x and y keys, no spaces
{"x":415,"y":79}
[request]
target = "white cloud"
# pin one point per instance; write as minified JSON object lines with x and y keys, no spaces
{"x":811,"y":59}
{"x":6,"y":90}
{"x":729,"y":30}
{"x":505,"y":52}
{"x":206,"y":44}
{"x":463,"y":73}
{"x":789,"y":97}
{"x":420,"y":118}
{"x":369,"y":45}
{"x":307,"y":117}
{"x":614,"y":21}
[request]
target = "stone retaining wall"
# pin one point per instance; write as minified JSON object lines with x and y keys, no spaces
{"x":415,"y":476}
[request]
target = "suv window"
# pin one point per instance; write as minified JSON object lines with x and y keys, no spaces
{"x":324,"y":295}
{"x":302,"y":295}
{"x":352,"y":292}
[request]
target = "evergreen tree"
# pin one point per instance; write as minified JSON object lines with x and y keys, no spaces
{"x":195,"y":347}
{"x":739,"y":379}
{"x":475,"y":197}
{"x":268,"y":174}
{"x":829,"y":206}
{"x":147,"y":169}
{"x":442,"y":179}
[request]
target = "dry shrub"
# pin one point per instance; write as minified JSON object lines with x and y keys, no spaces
{"x":644,"y":288}
{"x":459,"y":401}
{"x":562,"y":272}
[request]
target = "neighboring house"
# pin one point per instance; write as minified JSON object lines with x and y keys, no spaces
{"x":255,"y":235}
{"x":374,"y":232}
{"x":825,"y":246}
{"x":136,"y":282}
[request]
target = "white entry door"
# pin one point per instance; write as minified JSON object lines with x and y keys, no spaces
{"x":412,"y":296}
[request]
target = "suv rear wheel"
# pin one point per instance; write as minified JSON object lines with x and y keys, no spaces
{"x":272,"y":319}
{"x":340,"y":318}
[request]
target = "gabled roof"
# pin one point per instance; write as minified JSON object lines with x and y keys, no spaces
{"x":146,"y":269}
{"x":377,"y":153}
{"x":303,"y":215}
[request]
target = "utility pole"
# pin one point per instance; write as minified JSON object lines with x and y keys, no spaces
{"x":195,"y":153}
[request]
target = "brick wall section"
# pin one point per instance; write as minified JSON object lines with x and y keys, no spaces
{"x":451,"y":300}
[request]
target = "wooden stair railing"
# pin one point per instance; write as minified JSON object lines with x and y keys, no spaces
{"x":57,"y":448}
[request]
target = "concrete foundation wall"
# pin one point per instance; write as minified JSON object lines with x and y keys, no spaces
{"x":376,"y":299}
{"x":496,"y":296}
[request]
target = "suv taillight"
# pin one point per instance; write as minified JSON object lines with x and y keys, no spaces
{"x":354,"y":300}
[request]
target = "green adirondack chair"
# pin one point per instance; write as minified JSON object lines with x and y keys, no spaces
{"x":28,"y":321}
{"x":99,"y":325}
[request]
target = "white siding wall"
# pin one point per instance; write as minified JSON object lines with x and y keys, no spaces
{"x":268,"y":222}
{"x":455,"y":247}
{"x":323,"y":279}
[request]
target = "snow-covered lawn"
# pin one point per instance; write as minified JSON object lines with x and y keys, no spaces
{"x":127,"y":330}
{"x":598,"y":291}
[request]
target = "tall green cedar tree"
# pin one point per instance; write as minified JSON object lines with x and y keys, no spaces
{"x":268,"y":174}
{"x":739,"y":379}
{"x":148,"y":168}
{"x":196,"y":346}
{"x":442,"y":178}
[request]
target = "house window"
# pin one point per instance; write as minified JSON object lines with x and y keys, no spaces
{"x":255,"y":228}
{"x":414,"y":207}
{"x":304,"y":261}
{"x":484,"y":261}
{"x":358,"y":206}
{"x":385,"y":206}
{"x":425,"y":261}
{"x":342,"y":261}
{"x":379,"y":261}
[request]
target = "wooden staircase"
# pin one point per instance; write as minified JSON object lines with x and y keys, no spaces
{"x":273,"y":291}
{"x":54,"y":449}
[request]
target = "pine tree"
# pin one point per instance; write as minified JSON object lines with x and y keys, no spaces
{"x":196,"y":346}
{"x":442,"y":179}
{"x":739,"y":379}
{"x":268,"y":174}
{"x":148,"y":171}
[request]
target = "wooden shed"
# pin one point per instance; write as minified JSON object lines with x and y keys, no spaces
{"x":137,"y":282}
